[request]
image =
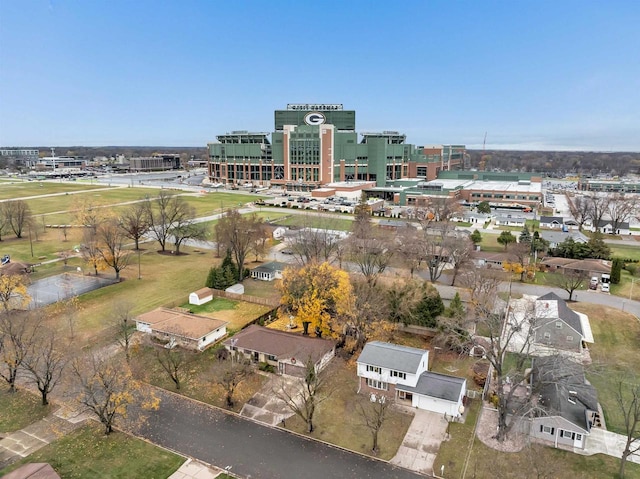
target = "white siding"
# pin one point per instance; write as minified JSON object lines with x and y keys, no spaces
{"x":212,"y":337}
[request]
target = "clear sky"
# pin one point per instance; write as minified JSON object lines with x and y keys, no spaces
{"x":532,"y":74}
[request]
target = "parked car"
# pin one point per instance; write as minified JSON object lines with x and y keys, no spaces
{"x":593,"y":284}
{"x":605,"y":287}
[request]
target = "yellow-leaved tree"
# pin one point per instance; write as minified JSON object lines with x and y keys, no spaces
{"x":319,"y":295}
{"x":13,"y":292}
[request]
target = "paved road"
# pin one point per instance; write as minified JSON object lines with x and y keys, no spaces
{"x":253,"y":450}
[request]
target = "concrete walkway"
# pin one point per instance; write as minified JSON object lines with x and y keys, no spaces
{"x":195,"y":470}
{"x":420,"y":446}
{"x":21,"y":443}
{"x":266,"y":407}
{"x":600,"y":441}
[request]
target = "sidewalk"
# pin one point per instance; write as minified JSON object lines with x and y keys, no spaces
{"x":21,"y":443}
{"x":194,"y":470}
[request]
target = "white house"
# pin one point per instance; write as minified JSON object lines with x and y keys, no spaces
{"x":551,"y":222}
{"x":401,"y":372}
{"x":509,"y":220}
{"x":269,"y":271}
{"x":201,"y":296}
{"x":607,"y":227}
{"x":189,"y":330}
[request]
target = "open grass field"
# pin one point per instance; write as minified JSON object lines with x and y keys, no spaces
{"x":87,"y":453}
{"x":19,"y":409}
{"x":17,"y":190}
{"x":490,"y":243}
{"x":338,"y":422}
{"x":533,"y":462}
{"x":631,"y":251}
{"x":156,"y":288}
{"x":615,"y":355}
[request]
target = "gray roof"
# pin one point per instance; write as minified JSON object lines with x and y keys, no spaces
{"x":563,"y":389}
{"x":551,"y":219}
{"x":271,"y":267}
{"x":391,"y":356}
{"x":568,"y":316}
{"x":512,"y":219}
{"x":558,"y":237}
{"x":623,"y":225}
{"x":436,"y":385}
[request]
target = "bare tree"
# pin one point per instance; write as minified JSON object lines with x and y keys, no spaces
{"x":111,"y":246}
{"x":107,"y":390}
{"x":318,"y":245}
{"x":17,"y":337}
{"x":238,"y":233}
{"x":521,"y":252}
{"x":581,"y":209}
{"x":135,"y":222}
{"x":304,"y":400}
{"x":185,"y":228}
{"x":231,"y":372}
{"x":124,"y":328}
{"x":90,"y":250}
{"x":4,"y":221}
{"x":409,"y":247}
{"x":373,"y":412}
{"x":164,"y":213}
{"x":174,"y":361}
{"x":620,"y":209}
{"x":599,"y":206}
{"x":628,"y":401}
{"x":87,"y":213}
{"x":370,"y":248}
{"x":460,"y":254}
{"x":570,"y":280}
{"x":510,"y":332}
{"x":260,"y":246}
{"x":45,"y":363}
{"x":438,"y":242}
{"x":18,"y":214}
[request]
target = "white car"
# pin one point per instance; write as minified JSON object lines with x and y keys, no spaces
{"x":605,"y":287}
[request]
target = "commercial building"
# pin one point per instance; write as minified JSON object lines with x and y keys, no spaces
{"x":317,"y":144}
{"x":20,"y":156}
{"x":156,"y":162}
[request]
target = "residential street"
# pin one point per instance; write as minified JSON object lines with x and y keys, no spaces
{"x":251,"y":449}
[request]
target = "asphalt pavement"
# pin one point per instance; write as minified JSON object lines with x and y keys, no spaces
{"x":251,"y":450}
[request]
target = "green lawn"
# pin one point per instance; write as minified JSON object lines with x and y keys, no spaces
{"x":26,"y":189}
{"x":631,"y":251}
{"x":533,"y":462}
{"x":615,"y":356}
{"x":19,"y":409}
{"x":86,"y":453}
{"x":338,"y":422}
{"x":237,"y":313}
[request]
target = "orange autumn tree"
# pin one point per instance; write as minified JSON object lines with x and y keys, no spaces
{"x":317,"y":294}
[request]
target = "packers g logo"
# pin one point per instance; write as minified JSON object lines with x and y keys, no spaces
{"x":314,"y":118}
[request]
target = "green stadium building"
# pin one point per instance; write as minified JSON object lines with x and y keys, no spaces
{"x":317,"y":144}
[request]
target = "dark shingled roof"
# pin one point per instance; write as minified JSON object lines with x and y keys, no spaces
{"x":391,"y":356}
{"x":436,"y":385}
{"x":568,"y":316}
{"x":280,"y":344}
{"x":563,"y":389}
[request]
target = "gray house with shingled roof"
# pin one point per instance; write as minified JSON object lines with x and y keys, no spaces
{"x":567,"y":403}
{"x":558,"y":327}
{"x":401,"y":373}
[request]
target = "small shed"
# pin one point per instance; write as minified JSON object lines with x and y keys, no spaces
{"x":201,"y":296}
{"x":279,"y":233}
{"x":236,"y":289}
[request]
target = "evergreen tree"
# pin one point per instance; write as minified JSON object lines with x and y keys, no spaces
{"x":598,"y":248}
{"x":429,"y":308}
{"x":525,"y":235}
{"x":616,"y":270}
{"x":456,"y":308}
{"x":476,"y":237}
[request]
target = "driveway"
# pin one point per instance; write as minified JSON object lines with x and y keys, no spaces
{"x":600,"y":441}
{"x":422,"y":442}
{"x":249,"y":449}
{"x":266,"y":407}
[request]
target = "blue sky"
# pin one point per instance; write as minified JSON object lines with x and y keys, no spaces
{"x":556,"y":74}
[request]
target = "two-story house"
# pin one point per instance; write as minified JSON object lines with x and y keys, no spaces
{"x":558,"y":327}
{"x":401,"y":373}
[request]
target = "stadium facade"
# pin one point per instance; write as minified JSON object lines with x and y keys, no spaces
{"x":317,"y":144}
